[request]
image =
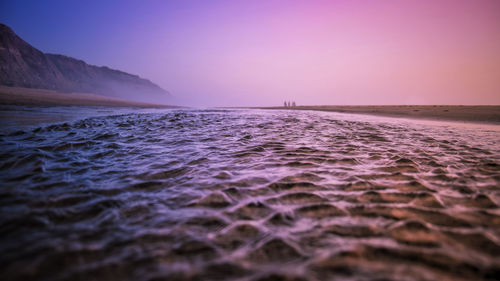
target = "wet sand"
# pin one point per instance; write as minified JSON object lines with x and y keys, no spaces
{"x":41,"y":97}
{"x":463,"y":113}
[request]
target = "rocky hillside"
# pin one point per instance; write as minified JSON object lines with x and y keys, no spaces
{"x":22,"y":65}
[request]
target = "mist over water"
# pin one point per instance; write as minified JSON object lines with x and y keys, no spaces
{"x":249,"y":195}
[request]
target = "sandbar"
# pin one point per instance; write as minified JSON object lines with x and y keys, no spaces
{"x":42,"y":97}
{"x":463,"y":113}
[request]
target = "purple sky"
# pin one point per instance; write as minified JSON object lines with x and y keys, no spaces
{"x":224,"y":53}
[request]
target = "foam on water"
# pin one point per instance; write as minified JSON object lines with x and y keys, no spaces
{"x":249,"y":195}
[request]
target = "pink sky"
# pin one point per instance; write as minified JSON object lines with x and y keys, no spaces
{"x":225,"y":53}
{"x":338,"y":52}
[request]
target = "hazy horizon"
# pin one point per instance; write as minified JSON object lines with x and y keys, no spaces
{"x":260,"y":53}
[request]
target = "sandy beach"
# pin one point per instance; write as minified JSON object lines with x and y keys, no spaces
{"x":463,"y":113}
{"x":41,"y":97}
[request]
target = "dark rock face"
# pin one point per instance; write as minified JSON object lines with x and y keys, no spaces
{"x":22,"y":65}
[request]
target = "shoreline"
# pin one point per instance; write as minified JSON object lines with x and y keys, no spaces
{"x":42,"y":97}
{"x":489,"y":114}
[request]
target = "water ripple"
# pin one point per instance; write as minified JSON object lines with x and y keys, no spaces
{"x":249,"y":195}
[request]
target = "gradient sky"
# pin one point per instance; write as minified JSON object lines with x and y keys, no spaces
{"x":234,"y":52}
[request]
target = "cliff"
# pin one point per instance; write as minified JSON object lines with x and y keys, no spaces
{"x":22,"y":65}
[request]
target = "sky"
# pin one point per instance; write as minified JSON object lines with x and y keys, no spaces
{"x":261,"y":53}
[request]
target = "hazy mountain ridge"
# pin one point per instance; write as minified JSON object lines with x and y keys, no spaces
{"x":22,"y":65}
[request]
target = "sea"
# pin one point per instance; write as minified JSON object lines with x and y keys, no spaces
{"x":245,"y":194}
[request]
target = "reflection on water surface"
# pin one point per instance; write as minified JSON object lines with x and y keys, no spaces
{"x":249,"y":195}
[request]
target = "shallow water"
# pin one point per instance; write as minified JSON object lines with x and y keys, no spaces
{"x":15,"y":116}
{"x":249,"y":195}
